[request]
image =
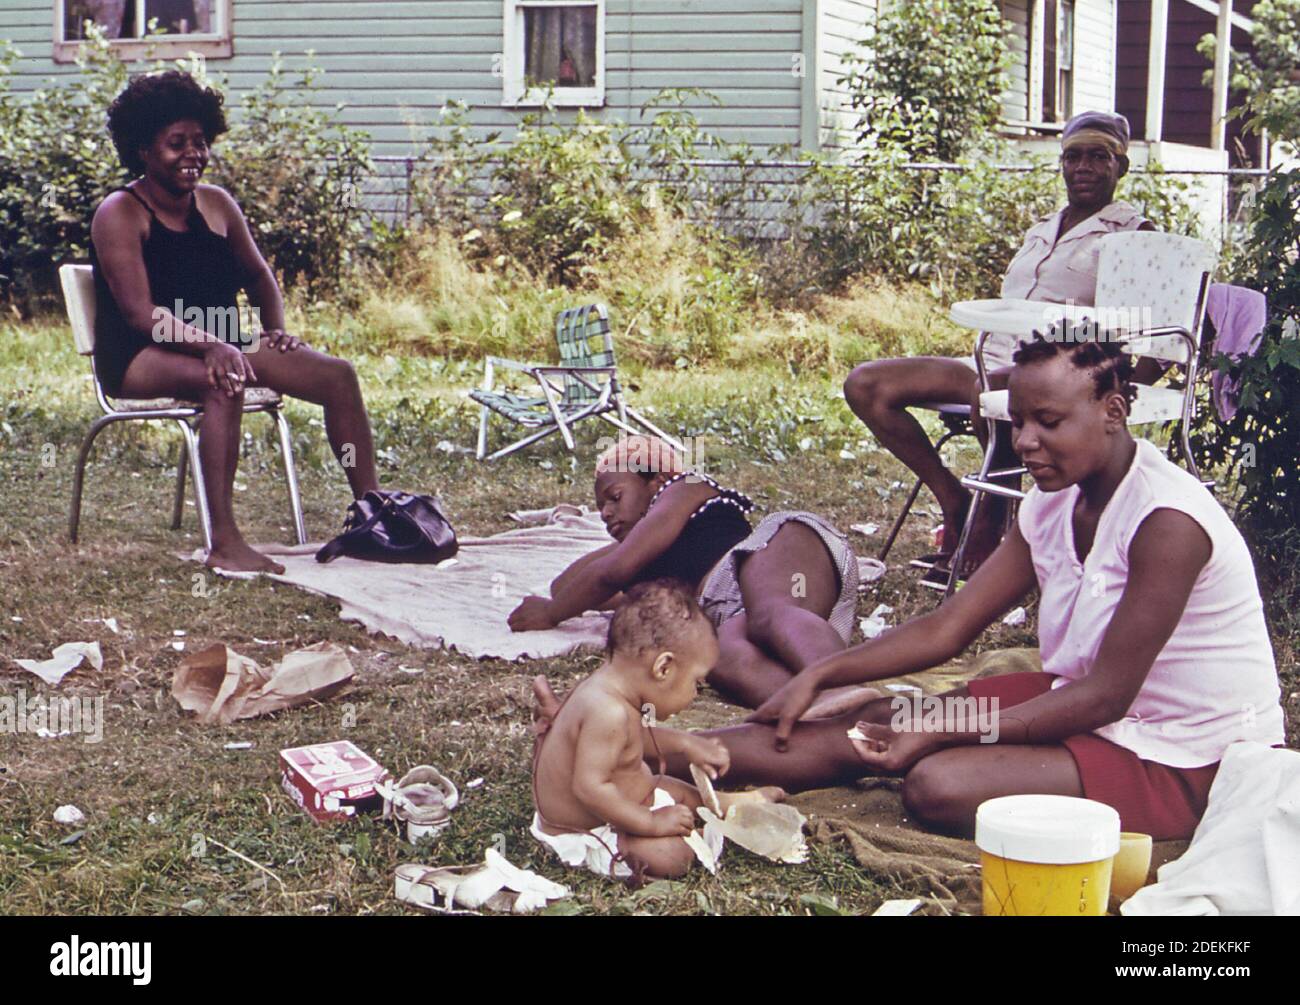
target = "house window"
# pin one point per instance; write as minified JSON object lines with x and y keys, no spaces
{"x":556,"y":48}
{"x":138,"y":28}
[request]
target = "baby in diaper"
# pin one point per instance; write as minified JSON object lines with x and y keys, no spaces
{"x":598,"y":803}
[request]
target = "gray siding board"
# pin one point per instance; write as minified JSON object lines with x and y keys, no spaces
{"x":1015,"y":99}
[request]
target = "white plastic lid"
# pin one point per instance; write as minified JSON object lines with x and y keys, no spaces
{"x":1052,"y":830}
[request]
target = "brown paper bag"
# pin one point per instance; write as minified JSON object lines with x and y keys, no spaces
{"x":222,"y":686}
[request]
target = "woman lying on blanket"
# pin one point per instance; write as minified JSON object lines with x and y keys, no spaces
{"x":1151,"y":631}
{"x":170,"y":256}
{"x":782,"y":595}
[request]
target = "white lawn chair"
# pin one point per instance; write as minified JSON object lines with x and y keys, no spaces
{"x":584,"y":385}
{"x":1158,"y":280}
{"x":79,"y":298}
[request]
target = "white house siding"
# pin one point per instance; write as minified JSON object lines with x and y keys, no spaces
{"x":844,"y":23}
{"x":1015,"y":99}
{"x":393,"y":62}
{"x":1094,"y":61}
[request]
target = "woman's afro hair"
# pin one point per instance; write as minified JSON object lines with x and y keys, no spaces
{"x":152,"y":102}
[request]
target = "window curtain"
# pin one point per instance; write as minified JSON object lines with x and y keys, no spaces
{"x":560,"y":45}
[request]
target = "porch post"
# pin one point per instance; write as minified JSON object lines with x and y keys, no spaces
{"x":1156,"y":71}
{"x":1222,"y":49}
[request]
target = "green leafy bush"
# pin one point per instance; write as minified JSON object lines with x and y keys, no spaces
{"x":56,"y":165}
{"x":929,"y":77}
{"x":1259,"y":444}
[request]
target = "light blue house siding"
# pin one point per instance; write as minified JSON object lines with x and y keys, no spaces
{"x":771,"y":62}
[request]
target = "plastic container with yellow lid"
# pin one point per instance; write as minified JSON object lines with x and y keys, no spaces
{"x":1046,"y":855}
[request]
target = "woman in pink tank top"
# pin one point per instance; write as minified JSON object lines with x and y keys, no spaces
{"x":1152,"y":634}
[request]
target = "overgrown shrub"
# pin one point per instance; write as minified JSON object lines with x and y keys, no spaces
{"x":1260,"y":443}
{"x":929,"y":77}
{"x":56,"y":165}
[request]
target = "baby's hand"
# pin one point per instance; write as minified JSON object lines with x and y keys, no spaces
{"x":709,"y":754}
{"x":672,"y":821}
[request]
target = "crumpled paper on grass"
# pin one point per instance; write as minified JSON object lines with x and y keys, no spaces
{"x":773,"y":830}
{"x":497,"y":885}
{"x":222,"y":686}
{"x":63,"y":661}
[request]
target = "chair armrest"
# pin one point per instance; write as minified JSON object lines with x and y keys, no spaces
{"x":572,"y":369}
{"x":512,"y":364}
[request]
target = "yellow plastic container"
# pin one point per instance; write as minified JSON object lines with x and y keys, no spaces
{"x":1046,"y":855}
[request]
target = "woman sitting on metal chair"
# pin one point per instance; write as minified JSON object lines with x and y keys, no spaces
{"x":1057,"y":263}
{"x":1155,"y":651}
{"x":782,"y":595}
{"x":168,"y":250}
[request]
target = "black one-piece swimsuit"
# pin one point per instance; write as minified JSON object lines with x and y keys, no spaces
{"x":196,"y":267}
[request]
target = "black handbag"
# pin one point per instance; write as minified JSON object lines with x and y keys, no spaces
{"x":394,"y":527}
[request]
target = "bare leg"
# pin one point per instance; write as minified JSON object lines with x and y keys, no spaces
{"x":790,"y":623}
{"x":156,"y":373}
{"x":745,"y":674}
{"x":945,"y":789}
{"x":330,"y":382}
{"x":879,"y":394}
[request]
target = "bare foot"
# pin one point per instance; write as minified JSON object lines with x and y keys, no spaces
{"x":239,"y":557}
{"x":838,"y":700}
{"x":764,"y":794}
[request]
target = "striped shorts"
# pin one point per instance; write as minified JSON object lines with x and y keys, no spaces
{"x":721,"y":599}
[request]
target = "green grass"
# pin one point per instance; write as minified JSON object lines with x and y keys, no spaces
{"x":160,"y":792}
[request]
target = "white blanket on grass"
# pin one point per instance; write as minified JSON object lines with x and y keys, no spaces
{"x":463,"y":604}
{"x":1245,"y":855}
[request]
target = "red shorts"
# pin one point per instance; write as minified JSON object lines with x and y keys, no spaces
{"x":1151,"y":798}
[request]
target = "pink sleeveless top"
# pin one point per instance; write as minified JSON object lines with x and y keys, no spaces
{"x":1215,"y":681}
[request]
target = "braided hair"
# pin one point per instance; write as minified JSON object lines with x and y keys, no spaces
{"x":1088,"y":348}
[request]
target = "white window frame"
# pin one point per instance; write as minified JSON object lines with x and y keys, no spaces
{"x":514,"y":92}
{"x":216,"y":44}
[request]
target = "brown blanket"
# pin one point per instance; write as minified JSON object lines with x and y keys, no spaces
{"x":868,"y":817}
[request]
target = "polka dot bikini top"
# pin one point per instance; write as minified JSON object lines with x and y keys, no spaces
{"x":717,"y":525}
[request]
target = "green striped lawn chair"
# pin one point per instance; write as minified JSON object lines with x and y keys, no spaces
{"x":583,"y":385}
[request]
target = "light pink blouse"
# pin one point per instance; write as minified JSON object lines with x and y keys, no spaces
{"x":1214,"y":682}
{"x":1058,"y":271}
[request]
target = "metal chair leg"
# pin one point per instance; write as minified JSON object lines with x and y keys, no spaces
{"x":916,"y":489}
{"x":290,"y":473}
{"x":79,"y":477}
{"x":200,"y":485}
{"x":178,"y":506}
{"x":481,"y":450}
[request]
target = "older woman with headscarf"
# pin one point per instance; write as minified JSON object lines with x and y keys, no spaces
{"x":1057,"y":263}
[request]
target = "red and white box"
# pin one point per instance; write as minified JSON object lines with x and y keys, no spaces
{"x":332,"y":781}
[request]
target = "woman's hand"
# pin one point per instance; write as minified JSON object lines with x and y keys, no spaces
{"x":886,"y":749}
{"x":532,"y":615}
{"x":787,"y":706}
{"x":228,"y":368}
{"x":280,"y":339}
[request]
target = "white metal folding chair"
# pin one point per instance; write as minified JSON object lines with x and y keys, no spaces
{"x":584,"y":385}
{"x":1151,"y":293}
{"x":79,"y":298}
